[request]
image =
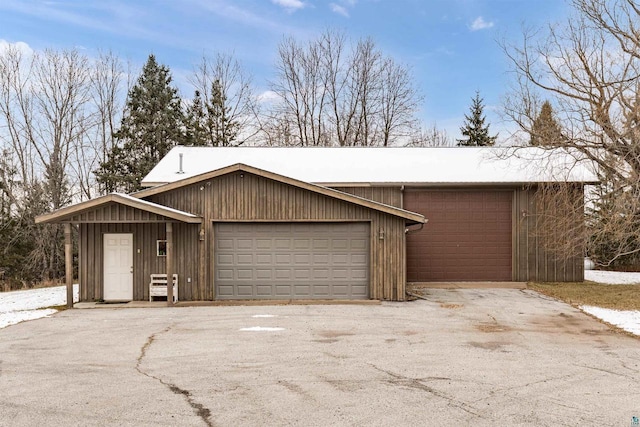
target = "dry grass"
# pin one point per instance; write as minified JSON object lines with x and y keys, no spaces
{"x":618,"y":297}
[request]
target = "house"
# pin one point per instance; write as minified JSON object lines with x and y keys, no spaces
{"x":322,"y":223}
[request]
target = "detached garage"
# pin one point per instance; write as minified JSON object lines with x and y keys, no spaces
{"x":482,"y":203}
{"x":327,"y":223}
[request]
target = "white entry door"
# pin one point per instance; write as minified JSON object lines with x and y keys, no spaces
{"x":118,"y":267}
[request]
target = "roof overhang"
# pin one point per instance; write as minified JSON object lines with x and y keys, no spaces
{"x":410,"y":217}
{"x":67,"y":214}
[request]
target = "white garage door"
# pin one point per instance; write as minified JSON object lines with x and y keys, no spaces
{"x":291,"y":260}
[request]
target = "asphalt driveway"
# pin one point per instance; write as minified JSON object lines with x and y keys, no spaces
{"x":466,"y":357}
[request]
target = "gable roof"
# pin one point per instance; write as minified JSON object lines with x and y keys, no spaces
{"x":391,"y":210}
{"x":382,"y":166}
{"x":69,"y":212}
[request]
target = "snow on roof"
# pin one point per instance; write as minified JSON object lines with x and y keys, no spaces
{"x":155,"y":205}
{"x":353,"y":165}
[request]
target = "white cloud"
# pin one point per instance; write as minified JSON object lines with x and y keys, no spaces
{"x":480,"y":24}
{"x":268,"y":96}
{"x":340,"y":10}
{"x":22,"y":47}
{"x":290,"y":5}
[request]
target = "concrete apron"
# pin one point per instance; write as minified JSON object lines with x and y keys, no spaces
{"x":162,"y":304}
{"x":466,"y":285}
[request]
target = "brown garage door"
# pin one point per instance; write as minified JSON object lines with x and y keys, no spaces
{"x":292,"y":260}
{"x":467,"y":238}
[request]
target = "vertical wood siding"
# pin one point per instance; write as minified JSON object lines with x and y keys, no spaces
{"x":242,"y":196}
{"x":391,"y":196}
{"x":114,"y":212}
{"x":145,"y":259}
{"x":532,"y":261}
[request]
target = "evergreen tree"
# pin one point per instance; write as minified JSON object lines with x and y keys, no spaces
{"x":196,"y":122}
{"x":211,"y":123}
{"x":474,"y":129}
{"x":223,"y":130}
{"x":152,"y":123}
{"x":545,"y":130}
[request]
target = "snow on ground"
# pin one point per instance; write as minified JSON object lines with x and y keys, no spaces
{"x":18,"y":306}
{"x":612,"y":277}
{"x":627,"y":320}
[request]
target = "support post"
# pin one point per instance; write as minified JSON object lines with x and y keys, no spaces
{"x":169,"y":261}
{"x":68,"y":264}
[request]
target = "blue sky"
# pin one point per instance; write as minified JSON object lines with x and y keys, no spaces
{"x":450,"y":45}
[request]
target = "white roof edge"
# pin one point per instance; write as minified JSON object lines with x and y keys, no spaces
{"x":156,"y":205}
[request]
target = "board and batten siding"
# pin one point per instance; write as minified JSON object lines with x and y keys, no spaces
{"x":145,"y":259}
{"x":242,"y":196}
{"x":116,"y":213}
{"x":530,"y":260}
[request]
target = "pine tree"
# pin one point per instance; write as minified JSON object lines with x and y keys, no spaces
{"x":196,"y":122}
{"x":223,"y":130}
{"x":153,"y":123}
{"x":474,"y":129}
{"x":211,"y":123}
{"x":545,"y":130}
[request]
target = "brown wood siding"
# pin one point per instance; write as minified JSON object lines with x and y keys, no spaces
{"x":116,"y":213}
{"x":242,"y":196}
{"x":467,"y":238}
{"x":145,"y":259}
{"x":532,"y":261}
{"x":391,"y":196}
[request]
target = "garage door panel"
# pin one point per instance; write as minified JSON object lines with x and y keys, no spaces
{"x":340,"y":259}
{"x":264,"y":244}
{"x":359,"y":244}
{"x":225,"y":274}
{"x":261,"y":259}
{"x":244,"y":259}
{"x":468,"y":236}
{"x":298,"y":260}
{"x":225,"y":243}
{"x":358,"y":259}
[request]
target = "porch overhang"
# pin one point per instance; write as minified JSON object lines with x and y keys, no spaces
{"x":117,"y":208}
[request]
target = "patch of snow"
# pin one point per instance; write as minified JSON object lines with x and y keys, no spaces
{"x":13,"y":317}
{"x":18,"y":306}
{"x":612,"y":277}
{"x":261,"y":329}
{"x":263,"y":315}
{"x":629,"y":320}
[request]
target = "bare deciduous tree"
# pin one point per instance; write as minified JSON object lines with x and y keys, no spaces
{"x":430,"y":137}
{"x":339,"y":93}
{"x":56,"y":112}
{"x":590,"y":67}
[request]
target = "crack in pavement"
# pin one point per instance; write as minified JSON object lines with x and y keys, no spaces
{"x":418,"y":384}
{"x":605,"y":371}
{"x":202,"y":411}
